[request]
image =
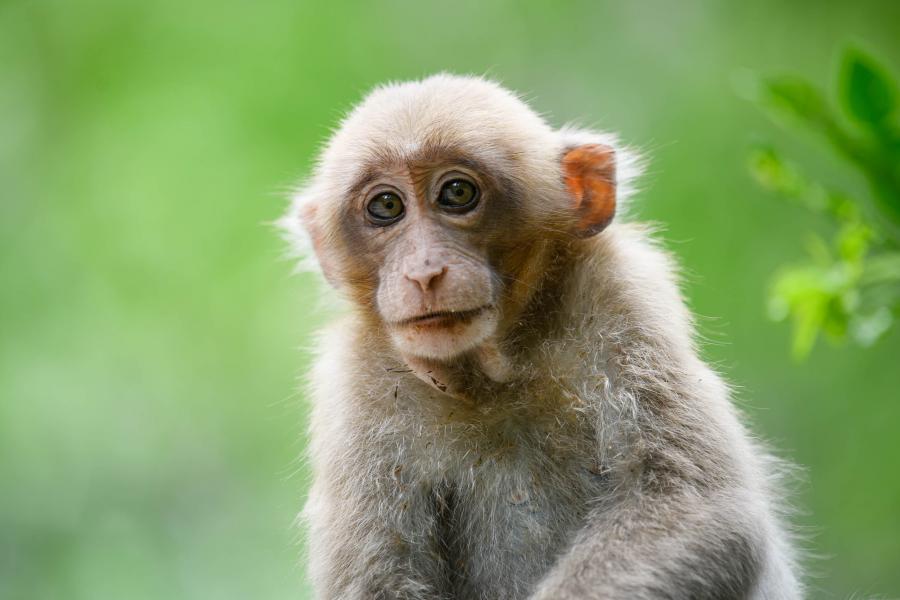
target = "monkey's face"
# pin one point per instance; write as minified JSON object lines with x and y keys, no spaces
{"x":429,"y":231}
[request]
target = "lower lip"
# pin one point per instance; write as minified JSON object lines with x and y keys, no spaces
{"x":445,"y":321}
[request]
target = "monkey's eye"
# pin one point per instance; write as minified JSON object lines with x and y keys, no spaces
{"x":385,"y":208}
{"x":458,"y":195}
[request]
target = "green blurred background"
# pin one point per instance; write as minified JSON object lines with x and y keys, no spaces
{"x":151,"y":330}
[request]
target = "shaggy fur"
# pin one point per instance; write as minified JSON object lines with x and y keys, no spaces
{"x":607,"y":462}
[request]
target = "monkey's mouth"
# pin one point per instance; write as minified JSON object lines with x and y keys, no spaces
{"x":442,"y":318}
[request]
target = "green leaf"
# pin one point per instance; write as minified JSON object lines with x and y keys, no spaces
{"x":806,"y":328}
{"x":866,"y":91}
{"x":867,"y":329}
{"x":818,"y":250}
{"x":795,"y":97}
{"x":852,"y":242}
{"x":818,"y":298}
{"x":774,"y":174}
{"x":882,"y":268}
{"x":837,"y":311}
{"x":843,"y":208}
{"x":800,"y":293}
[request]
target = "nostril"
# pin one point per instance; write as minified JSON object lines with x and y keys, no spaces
{"x":426,"y":278}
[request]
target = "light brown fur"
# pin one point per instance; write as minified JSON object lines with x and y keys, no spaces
{"x":578,"y":448}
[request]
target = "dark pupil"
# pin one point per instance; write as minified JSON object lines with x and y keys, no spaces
{"x":458,"y":193}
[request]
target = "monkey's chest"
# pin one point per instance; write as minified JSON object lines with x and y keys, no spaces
{"x":503,"y":523}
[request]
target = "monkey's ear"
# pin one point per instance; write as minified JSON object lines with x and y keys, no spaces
{"x":303,"y":228}
{"x":316,"y":233}
{"x":589,"y":172}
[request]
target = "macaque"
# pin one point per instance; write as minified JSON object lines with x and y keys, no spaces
{"x":512,"y":405}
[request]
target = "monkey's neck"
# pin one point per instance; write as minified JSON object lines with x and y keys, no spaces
{"x":486,"y":367}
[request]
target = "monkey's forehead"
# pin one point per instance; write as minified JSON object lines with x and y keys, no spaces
{"x":466,"y":116}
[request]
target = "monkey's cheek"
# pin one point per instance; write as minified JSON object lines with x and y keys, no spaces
{"x":444,"y":342}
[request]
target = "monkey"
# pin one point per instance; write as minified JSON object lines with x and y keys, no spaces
{"x":512,"y":404}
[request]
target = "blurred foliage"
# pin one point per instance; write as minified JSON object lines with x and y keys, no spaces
{"x":850,"y":284}
{"x":152,"y":333}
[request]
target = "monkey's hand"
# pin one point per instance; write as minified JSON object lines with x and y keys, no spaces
{"x":645,"y":546}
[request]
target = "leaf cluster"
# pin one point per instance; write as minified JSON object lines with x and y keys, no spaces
{"x":848,"y":286}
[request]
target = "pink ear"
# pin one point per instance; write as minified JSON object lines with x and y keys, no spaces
{"x":590,"y":176}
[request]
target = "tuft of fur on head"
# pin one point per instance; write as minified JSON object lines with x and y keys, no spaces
{"x":397,"y":118}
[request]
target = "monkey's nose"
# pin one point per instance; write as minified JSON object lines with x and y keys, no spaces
{"x":426,"y":277}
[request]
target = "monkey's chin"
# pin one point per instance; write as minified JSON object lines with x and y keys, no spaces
{"x":444,"y":339}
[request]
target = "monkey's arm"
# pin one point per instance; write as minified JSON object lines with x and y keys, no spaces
{"x":682,"y":545}
{"x":368,"y":520}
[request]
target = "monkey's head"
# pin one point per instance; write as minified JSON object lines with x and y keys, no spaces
{"x":438,"y":206}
